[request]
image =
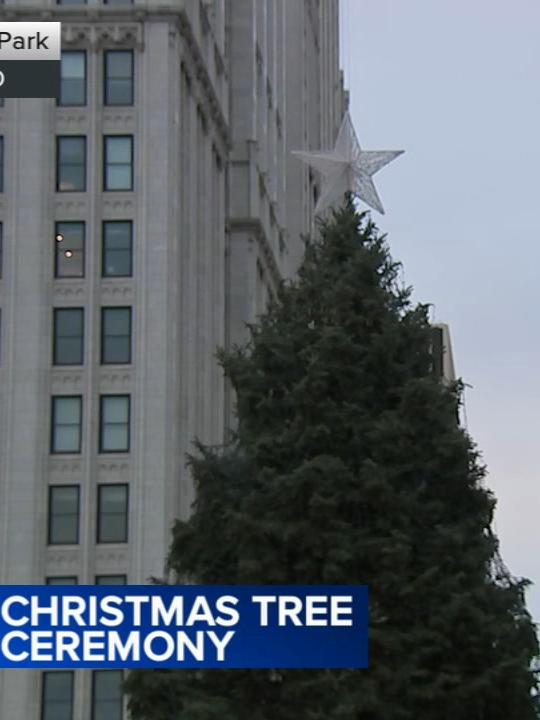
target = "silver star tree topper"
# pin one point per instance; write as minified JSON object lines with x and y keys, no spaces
{"x":348,"y":168}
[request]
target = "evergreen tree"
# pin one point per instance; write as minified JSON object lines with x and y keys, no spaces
{"x":349,"y":467}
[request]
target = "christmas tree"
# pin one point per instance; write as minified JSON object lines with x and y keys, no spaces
{"x":349,"y":467}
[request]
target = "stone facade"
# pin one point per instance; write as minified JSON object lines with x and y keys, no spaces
{"x":217,"y":206}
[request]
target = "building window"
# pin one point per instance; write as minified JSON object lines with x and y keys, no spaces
{"x":66,"y":424}
{"x":2,"y":102}
{"x":71,"y":580}
{"x":71,"y":2}
{"x":114,"y":423}
{"x":107,"y":695}
{"x":118,"y":72}
{"x":118,"y":2}
{"x":68,"y":336}
{"x":71,"y":163}
{"x":1,"y":248}
{"x":111,"y":579}
{"x":63,"y":515}
{"x":69,"y":249}
{"x":118,"y":162}
{"x":116,"y":336}
{"x":57,"y":695}
{"x":117,"y":250}
{"x":73,"y":78}
{"x":112,"y":520}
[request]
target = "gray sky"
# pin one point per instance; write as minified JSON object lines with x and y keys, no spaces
{"x":456,"y":86}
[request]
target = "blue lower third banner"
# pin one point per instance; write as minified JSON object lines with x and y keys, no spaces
{"x":189,"y":626}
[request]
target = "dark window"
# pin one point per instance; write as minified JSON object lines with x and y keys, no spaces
{"x":70,"y":163}
{"x":112,"y":520}
{"x":69,"y":249}
{"x":111,"y":579}
{"x":63,"y":515}
{"x":107,"y":695}
{"x":71,"y":2}
{"x":118,"y":162}
{"x":116,"y":335}
{"x":66,"y":424}
{"x":1,"y":249}
{"x":68,"y":336}
{"x":114,"y":423}
{"x":117,"y":248}
{"x":57,"y":695}
{"x":73,"y":78}
{"x":62,"y":580}
{"x":118,"y":72}
{"x":118,"y":2}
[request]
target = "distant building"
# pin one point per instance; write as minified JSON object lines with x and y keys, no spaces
{"x":443,"y":358}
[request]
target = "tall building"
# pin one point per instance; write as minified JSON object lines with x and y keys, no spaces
{"x":443,"y":358}
{"x":316,"y":103}
{"x":144,"y":219}
{"x":286,"y":94}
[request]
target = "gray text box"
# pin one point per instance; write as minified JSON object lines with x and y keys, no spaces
{"x":30,"y":79}
{"x":30,"y":40}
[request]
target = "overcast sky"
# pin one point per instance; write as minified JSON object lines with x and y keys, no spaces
{"x":456,"y":86}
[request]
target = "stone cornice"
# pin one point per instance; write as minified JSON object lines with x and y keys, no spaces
{"x":94,"y":36}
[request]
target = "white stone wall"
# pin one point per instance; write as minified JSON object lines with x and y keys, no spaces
{"x":180,"y":127}
{"x":25,"y":296}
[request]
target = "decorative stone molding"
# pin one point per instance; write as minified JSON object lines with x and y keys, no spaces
{"x":70,"y":206}
{"x":111,"y":558}
{"x":66,"y":120}
{"x":115,"y":381}
{"x":67,"y":381}
{"x":120,"y":120}
{"x":69,"y":292}
{"x":116,"y":294}
{"x":95,"y":36}
{"x":62,"y":560}
{"x":111,"y":470}
{"x":119,"y":204}
{"x":65,"y":468}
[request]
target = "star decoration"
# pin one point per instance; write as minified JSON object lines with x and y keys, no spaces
{"x":348,"y":168}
